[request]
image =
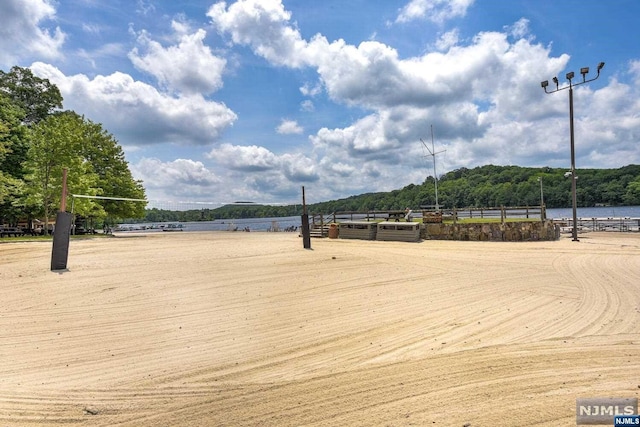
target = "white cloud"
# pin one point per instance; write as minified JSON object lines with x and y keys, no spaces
{"x":92,"y":29}
{"x":341,"y":169}
{"x":520,"y":29}
{"x":372,"y":75}
{"x":294,"y":167}
{"x":448,"y":40}
{"x":179,"y":171}
{"x":183,"y":178}
{"x":365,"y":137}
{"x":188,"y":67}
{"x":138,"y":113}
{"x":244,"y":158}
{"x":298,"y":168}
{"x":181,"y":26}
{"x":437,"y":11}
{"x":311,"y":90}
{"x":144,"y":7}
{"x":307,"y":105}
{"x":263,"y":25}
{"x":24,"y":33}
{"x":289,"y":127}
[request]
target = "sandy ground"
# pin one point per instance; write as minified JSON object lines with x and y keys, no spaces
{"x":250,"y":329}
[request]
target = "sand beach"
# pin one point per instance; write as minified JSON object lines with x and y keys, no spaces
{"x":250,"y":329}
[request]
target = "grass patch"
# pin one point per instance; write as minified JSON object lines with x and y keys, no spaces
{"x":50,"y":238}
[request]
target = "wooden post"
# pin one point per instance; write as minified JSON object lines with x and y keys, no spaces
{"x":63,"y":200}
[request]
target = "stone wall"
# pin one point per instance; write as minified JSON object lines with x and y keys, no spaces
{"x":497,"y":232}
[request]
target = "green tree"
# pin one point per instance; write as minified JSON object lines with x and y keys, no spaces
{"x":12,"y":148}
{"x":55,"y":144}
{"x":100,"y":149}
{"x":36,"y":97}
{"x":632,"y":194}
{"x":24,"y":101}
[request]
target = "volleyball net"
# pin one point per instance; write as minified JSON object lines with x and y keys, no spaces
{"x":175,"y":205}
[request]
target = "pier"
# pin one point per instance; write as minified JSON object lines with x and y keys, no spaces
{"x":320,"y":223}
{"x":599,"y":224}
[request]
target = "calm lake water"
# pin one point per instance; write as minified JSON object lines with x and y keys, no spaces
{"x":252,"y":224}
{"x":282,"y":223}
{"x":599,"y":212}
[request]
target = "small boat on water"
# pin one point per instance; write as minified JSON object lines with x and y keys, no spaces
{"x":173,"y":227}
{"x":150,"y":227}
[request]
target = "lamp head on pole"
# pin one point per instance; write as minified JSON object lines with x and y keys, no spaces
{"x":600,"y":65}
{"x":544,"y":84}
{"x":584,"y":71}
{"x":570,"y":75}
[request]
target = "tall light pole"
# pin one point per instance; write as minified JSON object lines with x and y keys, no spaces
{"x":570,"y":75}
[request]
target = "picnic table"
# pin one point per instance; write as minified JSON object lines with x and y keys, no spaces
{"x":11,"y":231}
{"x":396,"y":215}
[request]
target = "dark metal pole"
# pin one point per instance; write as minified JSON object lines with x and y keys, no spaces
{"x":306,"y":233}
{"x":542,"y":212}
{"x":573,"y":167}
{"x":60,"y":248}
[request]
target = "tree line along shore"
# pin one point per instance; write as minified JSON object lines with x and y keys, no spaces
{"x":484,"y":186}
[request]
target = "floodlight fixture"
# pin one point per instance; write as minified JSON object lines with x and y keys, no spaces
{"x":570,"y":75}
{"x":584,"y":71}
{"x":600,"y":65}
{"x":544,"y":84}
{"x":555,"y":80}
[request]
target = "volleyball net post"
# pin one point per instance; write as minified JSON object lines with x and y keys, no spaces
{"x":60,"y":248}
{"x":64,"y":225}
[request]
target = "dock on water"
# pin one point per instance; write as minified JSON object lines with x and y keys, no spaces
{"x":599,"y":224}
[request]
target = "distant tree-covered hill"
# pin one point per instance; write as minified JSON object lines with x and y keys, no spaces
{"x":484,"y":186}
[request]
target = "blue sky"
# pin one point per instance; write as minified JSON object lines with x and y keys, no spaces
{"x":252,"y":99}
